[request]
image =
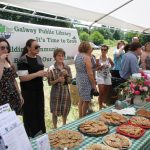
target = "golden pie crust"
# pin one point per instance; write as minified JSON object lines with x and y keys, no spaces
{"x":143,"y":112}
{"x":112,"y":118}
{"x":131,"y":130}
{"x":93,"y":127}
{"x":117,"y":141}
{"x":65,"y":138}
{"x":141,"y":121}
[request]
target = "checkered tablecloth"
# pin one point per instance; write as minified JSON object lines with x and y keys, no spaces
{"x":142,"y":143}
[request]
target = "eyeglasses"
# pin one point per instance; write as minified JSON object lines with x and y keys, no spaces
{"x":37,"y":47}
{"x":4,"y":47}
{"x":103,"y":49}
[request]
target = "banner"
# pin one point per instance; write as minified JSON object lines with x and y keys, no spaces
{"x":48,"y":37}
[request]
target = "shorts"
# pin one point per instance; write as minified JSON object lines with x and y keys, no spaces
{"x":104,"y":80}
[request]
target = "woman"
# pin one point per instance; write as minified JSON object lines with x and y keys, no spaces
{"x":31,"y":73}
{"x":103,"y":77}
{"x":59,"y":77}
{"x":84,"y":77}
{"x":9,"y":91}
{"x":145,"y":57}
{"x":118,"y":54}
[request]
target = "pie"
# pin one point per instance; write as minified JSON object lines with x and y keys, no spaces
{"x":117,"y":141}
{"x":130,"y":130}
{"x":112,"y":118}
{"x":140,"y":121}
{"x":65,"y":138}
{"x":93,"y":127}
{"x":99,"y":147}
{"x":144,"y":113}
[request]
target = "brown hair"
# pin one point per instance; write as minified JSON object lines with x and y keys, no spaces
{"x":84,"y":47}
{"x":146,"y":45}
{"x":58,"y":50}
{"x":4,"y":40}
{"x":28,"y":44}
{"x":105,"y":46}
{"x":120,"y":42}
{"x":135,"y":46}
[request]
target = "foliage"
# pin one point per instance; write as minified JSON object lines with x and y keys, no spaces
{"x":144,"y":38}
{"x":136,"y":86}
{"x":110,"y":43}
{"x":97,"y":38}
{"x":118,"y":34}
{"x":34,"y":19}
{"x":130,"y":35}
{"x":84,"y":36}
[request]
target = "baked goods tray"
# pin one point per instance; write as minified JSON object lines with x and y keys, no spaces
{"x":92,"y":135}
{"x":130,"y":135}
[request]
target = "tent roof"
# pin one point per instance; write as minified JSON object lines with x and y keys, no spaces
{"x":80,"y":13}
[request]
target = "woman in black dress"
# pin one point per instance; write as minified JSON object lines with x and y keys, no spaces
{"x":31,"y":73}
{"x":9,"y":91}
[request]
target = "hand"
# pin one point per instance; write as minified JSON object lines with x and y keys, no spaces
{"x":61,"y":79}
{"x":41,"y":73}
{"x":3,"y":57}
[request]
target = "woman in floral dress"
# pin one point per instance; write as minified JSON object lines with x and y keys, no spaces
{"x":9,"y":91}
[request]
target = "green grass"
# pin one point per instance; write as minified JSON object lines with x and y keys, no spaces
{"x":73,"y":115}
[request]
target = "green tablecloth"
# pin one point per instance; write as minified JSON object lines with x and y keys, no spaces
{"x":142,"y":143}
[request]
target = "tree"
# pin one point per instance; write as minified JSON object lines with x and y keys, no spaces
{"x":97,"y":38}
{"x":144,"y":38}
{"x":84,"y":36}
{"x":130,"y":35}
{"x":118,"y":35}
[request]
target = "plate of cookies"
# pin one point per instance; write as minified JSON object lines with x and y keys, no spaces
{"x":117,"y":141}
{"x":93,"y":128}
{"x":112,"y":118}
{"x":65,"y":139}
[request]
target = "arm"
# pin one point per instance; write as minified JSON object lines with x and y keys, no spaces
{"x":88,"y":64}
{"x":143,"y":56}
{"x":2,"y":63}
{"x":111,"y":62}
{"x":118,"y":52}
{"x":31,"y":76}
{"x":21,"y":98}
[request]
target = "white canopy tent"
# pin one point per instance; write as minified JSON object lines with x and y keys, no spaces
{"x":133,"y":16}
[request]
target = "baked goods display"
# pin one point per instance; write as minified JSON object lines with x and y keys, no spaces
{"x":99,"y":147}
{"x":140,"y":121}
{"x":143,"y":112}
{"x":112,"y":118}
{"x":130,"y":130}
{"x":93,"y":128}
{"x":117,"y":141}
{"x":65,"y":138}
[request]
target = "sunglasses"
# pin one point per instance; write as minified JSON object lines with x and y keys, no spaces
{"x":37,"y":47}
{"x":4,"y":47}
{"x":103,"y":49}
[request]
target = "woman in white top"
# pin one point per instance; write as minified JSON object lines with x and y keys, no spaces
{"x":103,"y":76}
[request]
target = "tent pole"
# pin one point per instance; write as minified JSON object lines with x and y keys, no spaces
{"x":109,"y":13}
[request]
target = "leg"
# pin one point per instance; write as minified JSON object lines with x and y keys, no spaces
{"x":54,"y":119}
{"x":85,"y":107}
{"x":64,"y":119}
{"x":80,"y":107}
{"x":100,"y":98}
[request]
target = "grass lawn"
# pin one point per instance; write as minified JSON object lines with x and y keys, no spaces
{"x":73,"y":115}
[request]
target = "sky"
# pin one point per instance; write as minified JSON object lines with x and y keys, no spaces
{"x":136,"y":12}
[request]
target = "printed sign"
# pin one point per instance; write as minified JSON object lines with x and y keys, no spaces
{"x":48,"y":37}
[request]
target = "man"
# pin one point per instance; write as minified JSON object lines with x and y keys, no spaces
{"x":129,"y":64}
{"x":135,"y":39}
